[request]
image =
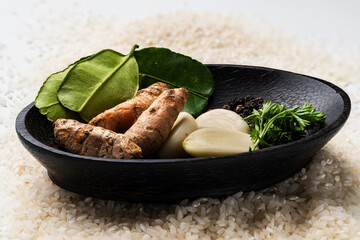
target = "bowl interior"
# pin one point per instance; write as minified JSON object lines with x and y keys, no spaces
{"x":277,"y":86}
{"x":234,"y":81}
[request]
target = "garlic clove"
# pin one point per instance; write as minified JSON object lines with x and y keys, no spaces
{"x":183,"y":126}
{"x":213,"y":141}
{"x":222,"y":118}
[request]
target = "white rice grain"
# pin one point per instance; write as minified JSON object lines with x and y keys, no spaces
{"x":320,"y":202}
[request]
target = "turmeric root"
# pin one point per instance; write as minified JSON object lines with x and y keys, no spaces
{"x":94,"y":141}
{"x":121,"y":117}
{"x":154,"y":125}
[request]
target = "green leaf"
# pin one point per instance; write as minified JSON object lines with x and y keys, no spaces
{"x":177,"y":70}
{"x":102,"y":81}
{"x":47,"y":101}
{"x":57,"y":111}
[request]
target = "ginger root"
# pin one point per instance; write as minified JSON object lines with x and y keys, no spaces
{"x":153,"y":126}
{"x":121,"y":117}
{"x":94,"y":141}
{"x":143,"y":138}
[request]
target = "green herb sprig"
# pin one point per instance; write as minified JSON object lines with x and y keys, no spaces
{"x":273,"y":124}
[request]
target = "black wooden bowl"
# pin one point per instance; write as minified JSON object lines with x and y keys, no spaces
{"x":156,"y":180}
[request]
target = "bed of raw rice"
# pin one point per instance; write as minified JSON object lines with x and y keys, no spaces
{"x":320,"y":202}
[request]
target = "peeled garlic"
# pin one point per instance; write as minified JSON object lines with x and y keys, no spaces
{"x":222,"y":118}
{"x":183,"y":126}
{"x":207,"y":142}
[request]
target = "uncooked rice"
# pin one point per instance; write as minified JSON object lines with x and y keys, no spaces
{"x":322,"y":201}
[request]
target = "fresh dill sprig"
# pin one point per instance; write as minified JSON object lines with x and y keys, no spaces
{"x":273,"y":124}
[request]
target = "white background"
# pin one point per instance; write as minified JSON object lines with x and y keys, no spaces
{"x":335,"y":22}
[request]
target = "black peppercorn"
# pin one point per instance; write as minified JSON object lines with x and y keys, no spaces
{"x":244,"y":106}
